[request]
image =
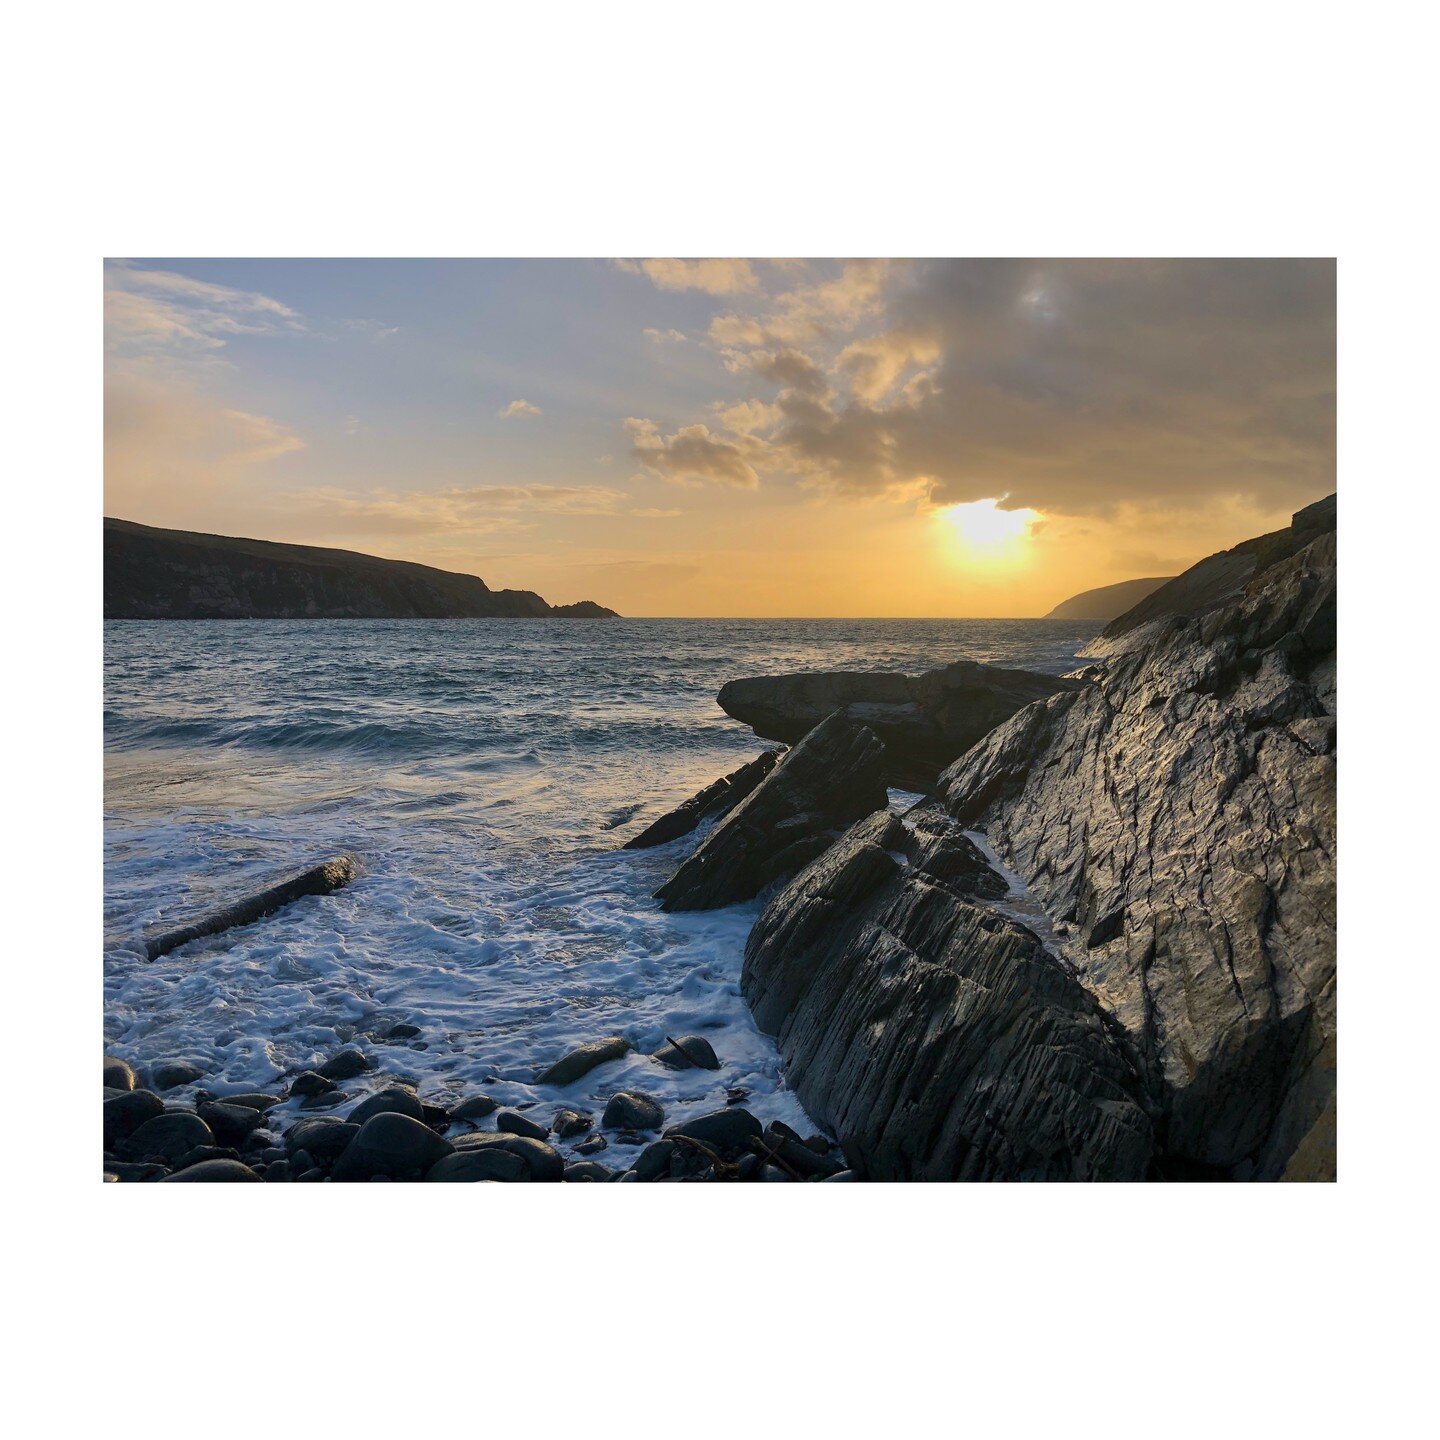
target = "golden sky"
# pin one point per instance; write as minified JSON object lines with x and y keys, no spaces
{"x":730,"y":437}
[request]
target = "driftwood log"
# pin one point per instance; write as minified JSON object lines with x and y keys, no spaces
{"x":320,"y":880}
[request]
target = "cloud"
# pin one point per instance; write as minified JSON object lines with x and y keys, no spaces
{"x":691,"y":454}
{"x":1069,"y":386}
{"x":664,"y":337}
{"x":519,"y":410}
{"x":713,"y":277}
{"x":159,"y":310}
{"x":651,"y":513}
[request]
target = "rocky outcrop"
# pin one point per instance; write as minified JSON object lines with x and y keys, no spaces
{"x":1107,"y":601}
{"x":832,"y":777}
{"x":714,"y":800}
{"x":924,"y":720}
{"x":153,"y":574}
{"x":1176,"y":818}
{"x":1216,"y":580}
{"x":937,"y":1038}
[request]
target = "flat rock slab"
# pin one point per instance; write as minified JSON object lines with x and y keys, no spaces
{"x":925,"y":721}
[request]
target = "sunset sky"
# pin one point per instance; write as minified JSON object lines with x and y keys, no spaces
{"x":730,"y":437}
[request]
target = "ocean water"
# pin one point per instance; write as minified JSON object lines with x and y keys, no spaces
{"x":485,"y":774}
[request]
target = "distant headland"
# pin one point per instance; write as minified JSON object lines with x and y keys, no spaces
{"x":153,"y":574}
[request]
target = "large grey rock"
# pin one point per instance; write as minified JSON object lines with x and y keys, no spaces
{"x":393,"y":1145}
{"x":632,"y":1110}
{"x":471,"y":1166}
{"x":729,"y":1129}
{"x":578,"y":1063}
{"x":168,"y":1137}
{"x":230,"y":1123}
{"x":323,"y":1139}
{"x":1177,"y":818}
{"x":832,"y":777}
{"x":934,"y":1036}
{"x":170,"y":1074}
{"x":687,"y":1052}
{"x":345,"y":1065}
{"x":716,"y":799}
{"x":214,"y":1172}
{"x":393,"y":1100}
{"x":512,"y":1122}
{"x":118,"y":1074}
{"x":544,"y":1162}
{"x":127,"y":1111}
{"x":925,"y":721}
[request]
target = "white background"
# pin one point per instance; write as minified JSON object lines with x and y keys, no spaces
{"x":708,"y":129}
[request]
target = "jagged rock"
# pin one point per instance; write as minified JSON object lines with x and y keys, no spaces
{"x":1178,"y":817}
{"x":925,"y":721}
{"x":833,"y":776}
{"x":578,"y":1063}
{"x":392,"y":1145}
{"x":118,"y":1075}
{"x":714,"y":800}
{"x":1215,"y":581}
{"x":632,"y":1110}
{"x":688,"y":1052}
{"x":937,"y":1038}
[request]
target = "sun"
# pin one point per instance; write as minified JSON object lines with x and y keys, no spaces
{"x":982,"y":532}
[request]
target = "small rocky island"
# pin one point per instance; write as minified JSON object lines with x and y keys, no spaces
{"x":153,"y":574}
{"x":1099,"y":947}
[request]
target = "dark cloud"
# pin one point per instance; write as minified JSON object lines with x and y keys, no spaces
{"x":1071,"y":385}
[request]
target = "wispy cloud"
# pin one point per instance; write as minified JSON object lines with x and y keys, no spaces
{"x":664,"y":337}
{"x":519,"y":410}
{"x":713,"y":277}
{"x":161,"y":309}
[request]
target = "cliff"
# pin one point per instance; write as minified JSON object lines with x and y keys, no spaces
{"x":153,"y":574}
{"x":1107,"y":601}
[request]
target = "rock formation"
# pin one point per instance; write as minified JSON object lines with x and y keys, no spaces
{"x":1178,"y":818}
{"x":1107,"y":601}
{"x":937,"y":1038}
{"x":714,"y":800}
{"x":1217,"y":579}
{"x":153,"y":574}
{"x":925,"y":720}
{"x":832,"y":777}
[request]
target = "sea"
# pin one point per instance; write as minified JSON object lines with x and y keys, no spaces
{"x":485,"y":773}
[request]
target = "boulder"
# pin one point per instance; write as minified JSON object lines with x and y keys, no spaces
{"x":632,"y":1110}
{"x":569,"y":1123}
{"x":170,"y":1074}
{"x":688,"y":1052}
{"x":470,"y":1166}
{"x":544,"y":1162}
{"x":231,"y":1123}
{"x":323,"y":1140}
{"x":579,"y":1063}
{"x":393,"y":1145}
{"x":127,"y":1111}
{"x":168,"y":1137}
{"x":511,"y":1122}
{"x":345,"y":1065}
{"x":714,"y":800}
{"x":393,"y":1100}
{"x":937,"y":1038}
{"x":118,"y":1075}
{"x":310,"y":1083}
{"x":832,"y":777}
{"x":728,"y":1129}
{"x":215,"y":1172}
{"x":251,"y":1100}
{"x":588,"y":1170}
{"x":1177,"y":822}
{"x":925,"y":721}
{"x":476,"y":1107}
